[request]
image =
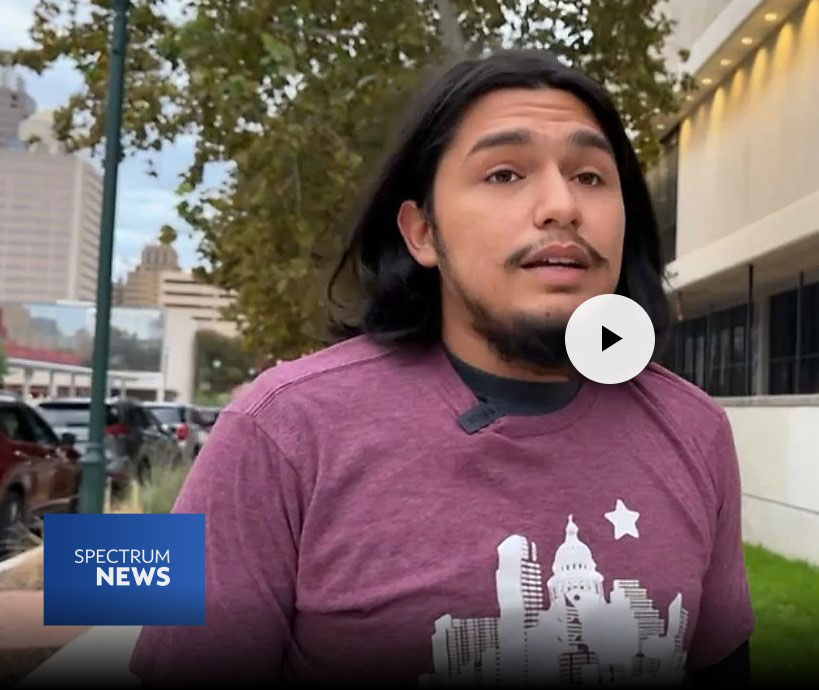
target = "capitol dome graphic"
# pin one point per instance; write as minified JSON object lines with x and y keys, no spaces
{"x":579,"y":638}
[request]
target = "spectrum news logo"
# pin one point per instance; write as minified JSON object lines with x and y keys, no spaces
{"x":124,"y":569}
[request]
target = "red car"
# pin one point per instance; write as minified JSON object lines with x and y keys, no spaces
{"x":39,"y":473}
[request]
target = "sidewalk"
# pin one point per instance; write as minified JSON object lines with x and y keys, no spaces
{"x":24,"y":641}
{"x":97,"y":658}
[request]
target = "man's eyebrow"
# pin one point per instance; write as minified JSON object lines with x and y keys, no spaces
{"x":581,"y":138}
{"x":509,"y":137}
{"x":587,"y":138}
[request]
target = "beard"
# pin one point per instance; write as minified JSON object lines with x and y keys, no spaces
{"x":536,"y":343}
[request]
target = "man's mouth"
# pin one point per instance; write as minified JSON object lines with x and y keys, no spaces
{"x":556,"y":263}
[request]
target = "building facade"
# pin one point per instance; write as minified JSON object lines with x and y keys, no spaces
{"x":142,"y":285}
{"x":737,"y":197}
{"x":50,"y":206}
{"x":180,"y":290}
{"x":15,"y":106}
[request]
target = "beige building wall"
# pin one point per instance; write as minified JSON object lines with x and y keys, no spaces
{"x":748,"y":195}
{"x":748,"y":187}
{"x":776,"y":444}
{"x":692,"y":18}
{"x":142,"y":286}
{"x":180,"y":291}
{"x":746,"y":152}
{"x":50,"y":205}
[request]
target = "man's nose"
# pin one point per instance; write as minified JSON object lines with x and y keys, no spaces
{"x":557,"y":203}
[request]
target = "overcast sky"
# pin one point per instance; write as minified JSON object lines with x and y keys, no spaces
{"x":144,"y":203}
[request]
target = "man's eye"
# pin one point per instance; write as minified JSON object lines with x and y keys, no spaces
{"x":590,"y":178}
{"x":503,"y":176}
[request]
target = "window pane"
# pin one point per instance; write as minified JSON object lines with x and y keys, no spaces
{"x":738,"y":349}
{"x":781,"y":377}
{"x":809,"y":375}
{"x":783,"y":325}
{"x":699,"y":374}
{"x":736,"y":384}
{"x":810,"y":319}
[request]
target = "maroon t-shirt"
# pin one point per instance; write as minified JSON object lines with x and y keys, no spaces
{"x":356,"y":533}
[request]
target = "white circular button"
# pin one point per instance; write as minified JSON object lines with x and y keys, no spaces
{"x":610,"y":338}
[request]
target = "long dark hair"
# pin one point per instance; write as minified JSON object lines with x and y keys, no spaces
{"x":399,"y":301}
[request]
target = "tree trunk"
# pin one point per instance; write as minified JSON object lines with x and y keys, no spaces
{"x":451,"y":36}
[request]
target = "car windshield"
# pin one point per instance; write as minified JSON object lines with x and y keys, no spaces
{"x":65,"y":414}
{"x":167,"y":415}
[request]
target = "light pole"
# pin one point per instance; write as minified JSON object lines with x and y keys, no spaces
{"x":92,"y":463}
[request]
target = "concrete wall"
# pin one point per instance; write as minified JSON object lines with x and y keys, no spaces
{"x":692,"y":18}
{"x":746,"y":152}
{"x":776,"y":441}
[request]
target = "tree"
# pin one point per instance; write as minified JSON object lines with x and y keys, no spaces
{"x":167,"y":235}
{"x":299,"y":97}
{"x":221,"y":363}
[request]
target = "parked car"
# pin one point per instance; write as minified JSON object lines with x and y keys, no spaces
{"x":39,"y":471}
{"x":134,"y":438}
{"x":186,"y":423}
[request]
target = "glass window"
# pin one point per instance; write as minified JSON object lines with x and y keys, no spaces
{"x":41,"y":431}
{"x":786,"y":374}
{"x":711,"y":351}
{"x":168,"y":415}
{"x":66,"y":414}
{"x":13,"y":425}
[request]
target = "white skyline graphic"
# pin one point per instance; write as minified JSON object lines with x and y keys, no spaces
{"x":580,"y":639}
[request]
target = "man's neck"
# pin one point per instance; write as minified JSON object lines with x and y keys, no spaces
{"x":476,"y":352}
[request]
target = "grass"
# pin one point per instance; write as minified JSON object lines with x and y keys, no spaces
{"x":157,"y":495}
{"x":785,"y":597}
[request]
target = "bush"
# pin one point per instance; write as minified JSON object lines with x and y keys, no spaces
{"x":157,"y":495}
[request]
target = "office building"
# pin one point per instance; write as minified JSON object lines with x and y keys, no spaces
{"x":737,"y":197}
{"x":50,"y":205}
{"x":141,"y":287}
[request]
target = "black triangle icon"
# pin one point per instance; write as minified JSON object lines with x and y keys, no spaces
{"x":609,"y":338}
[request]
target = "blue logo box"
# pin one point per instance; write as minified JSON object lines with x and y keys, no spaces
{"x":124,"y":569}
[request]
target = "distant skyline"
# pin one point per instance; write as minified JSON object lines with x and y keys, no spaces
{"x":144,"y":203}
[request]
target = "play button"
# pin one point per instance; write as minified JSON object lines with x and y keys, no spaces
{"x":610,"y":339}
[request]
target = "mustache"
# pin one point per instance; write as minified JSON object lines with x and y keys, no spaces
{"x":514,"y":260}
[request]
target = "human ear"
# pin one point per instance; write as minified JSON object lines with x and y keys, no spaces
{"x":417,"y":233}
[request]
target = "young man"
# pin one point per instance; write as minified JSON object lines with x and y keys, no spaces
{"x":440,"y":498}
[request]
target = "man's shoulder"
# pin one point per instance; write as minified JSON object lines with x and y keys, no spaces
{"x":679,"y":400}
{"x":344,"y":364}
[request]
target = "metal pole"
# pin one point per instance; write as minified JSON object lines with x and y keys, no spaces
{"x":749,"y":311}
{"x":92,"y":481}
{"x":799,"y":296}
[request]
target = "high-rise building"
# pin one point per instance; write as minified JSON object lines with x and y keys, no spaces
{"x":180,"y":290}
{"x":15,"y":106}
{"x":142,"y":286}
{"x":50,"y":205}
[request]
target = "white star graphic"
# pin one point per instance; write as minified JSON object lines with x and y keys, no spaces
{"x":624,"y":520}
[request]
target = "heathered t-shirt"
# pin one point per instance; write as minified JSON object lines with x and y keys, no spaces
{"x":357,"y":534}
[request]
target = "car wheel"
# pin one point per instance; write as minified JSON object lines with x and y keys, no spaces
{"x":11,"y":522}
{"x":144,"y":472}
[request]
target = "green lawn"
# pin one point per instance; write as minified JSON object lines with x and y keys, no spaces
{"x":785,"y":597}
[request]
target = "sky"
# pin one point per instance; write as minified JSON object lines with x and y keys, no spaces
{"x":144,"y":203}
